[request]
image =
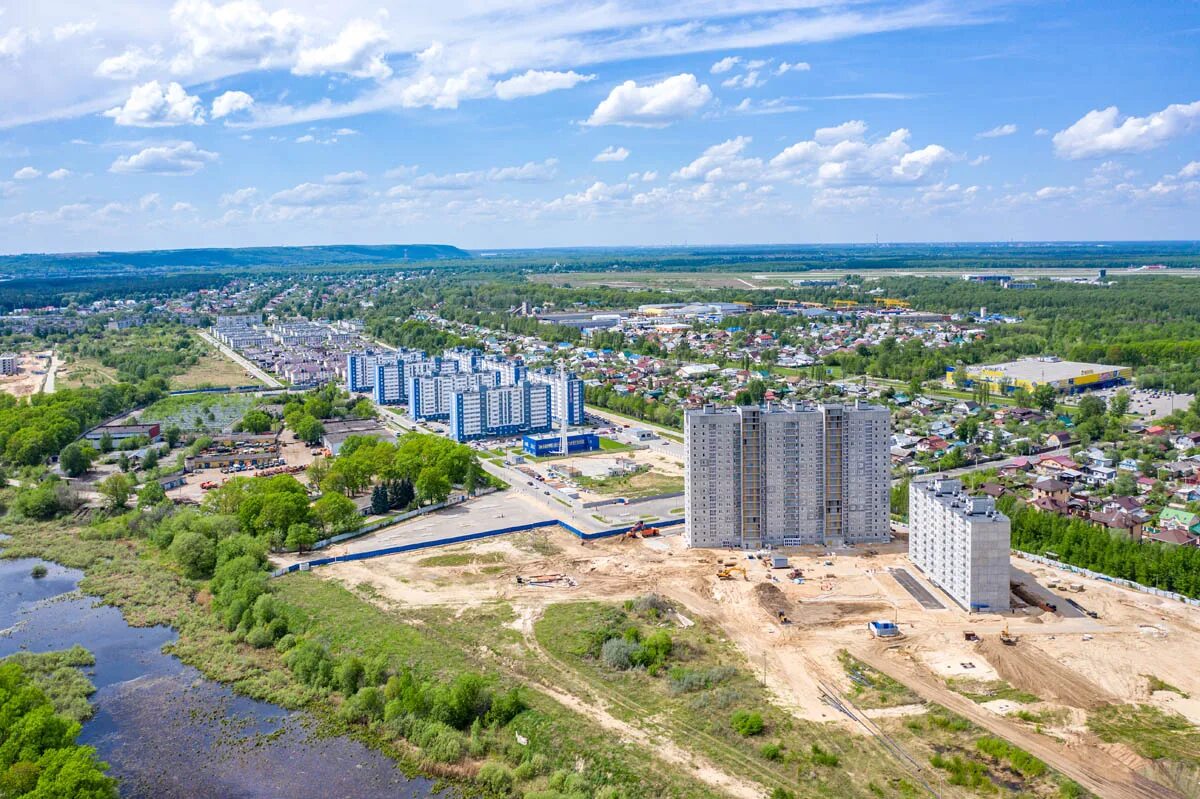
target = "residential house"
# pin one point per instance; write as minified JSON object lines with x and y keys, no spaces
{"x":1062,"y":438}
{"x":1186,"y":441}
{"x":1173,"y":518}
{"x":1056,"y":490}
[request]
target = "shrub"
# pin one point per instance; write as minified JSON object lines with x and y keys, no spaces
{"x":195,"y":554}
{"x":506,"y":707}
{"x":38,"y":572}
{"x":651,"y":605}
{"x":771,"y":751}
{"x":496,"y":777}
{"x":366,"y":705}
{"x":747,"y":723}
{"x":654,"y":650}
{"x":617,"y":653}
{"x":683,"y":680}
{"x":446,"y":747}
{"x":822,"y":758}
{"x":350,"y":676}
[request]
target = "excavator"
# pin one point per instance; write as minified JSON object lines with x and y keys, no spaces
{"x":640,"y":530}
{"x":727,"y":573}
{"x":1007,"y":638}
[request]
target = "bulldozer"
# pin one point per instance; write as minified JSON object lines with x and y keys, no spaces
{"x":727,"y":574}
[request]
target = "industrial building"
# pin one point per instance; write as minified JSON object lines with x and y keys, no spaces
{"x":488,"y":411}
{"x":786,"y":475}
{"x":1067,"y":377}
{"x":961,"y":543}
{"x":540,"y":446}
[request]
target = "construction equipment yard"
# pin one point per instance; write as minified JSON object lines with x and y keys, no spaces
{"x":1086,"y":695}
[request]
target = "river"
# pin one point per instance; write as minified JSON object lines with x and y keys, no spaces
{"x":166,"y":730}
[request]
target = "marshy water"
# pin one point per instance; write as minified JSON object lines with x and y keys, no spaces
{"x":167,"y":731}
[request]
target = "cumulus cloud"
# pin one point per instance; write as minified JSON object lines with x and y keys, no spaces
{"x":722,"y":162}
{"x":182,"y":207}
{"x":1191,"y":170}
{"x":127,"y":65}
{"x":239,"y":197}
{"x":799,"y":66}
{"x":347,"y":178}
{"x":655,"y":105}
{"x":842,"y":156}
{"x":358,"y":50}
{"x":537,"y":81}
{"x":13,"y":43}
{"x":239,"y":31}
{"x":62,"y":173}
{"x":611,"y":153}
{"x":748,"y":80}
{"x":27,"y":173}
{"x":725,"y":64}
{"x":231,"y":103}
{"x":1104,"y":132}
{"x":72,"y":29}
{"x":182,"y":158}
{"x":311,"y":194}
{"x":152,"y":105}
{"x":998,"y":132}
{"x":529,"y":172}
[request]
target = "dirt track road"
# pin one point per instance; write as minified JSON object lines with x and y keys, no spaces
{"x":1102,"y":775}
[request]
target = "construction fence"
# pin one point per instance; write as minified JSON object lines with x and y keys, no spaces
{"x":1145,"y":589}
{"x":461,"y":539}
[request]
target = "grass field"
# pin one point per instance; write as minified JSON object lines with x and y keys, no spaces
{"x":85,"y":373}
{"x":213,"y":369}
{"x":638,"y":484}
{"x":208,"y":413}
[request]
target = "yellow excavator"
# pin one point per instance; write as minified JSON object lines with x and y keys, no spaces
{"x":727,"y":574}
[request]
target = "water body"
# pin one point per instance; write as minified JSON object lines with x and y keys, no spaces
{"x":166,"y":730}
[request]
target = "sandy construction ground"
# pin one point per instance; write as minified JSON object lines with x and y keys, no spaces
{"x":1072,"y":663}
{"x":30,"y":376}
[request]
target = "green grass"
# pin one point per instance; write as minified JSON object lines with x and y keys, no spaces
{"x":461,"y":559}
{"x":610,"y":446}
{"x":1155,"y":684}
{"x":58,"y":675}
{"x":873,"y":689}
{"x":1148,"y":730}
{"x":642,"y":483}
{"x":981,"y":691}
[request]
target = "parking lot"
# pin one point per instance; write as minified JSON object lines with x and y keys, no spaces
{"x":1149,"y":403}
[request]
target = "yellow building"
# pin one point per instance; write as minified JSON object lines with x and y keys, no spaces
{"x":1067,"y":377}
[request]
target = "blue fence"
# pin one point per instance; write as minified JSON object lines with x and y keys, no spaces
{"x":461,"y":539}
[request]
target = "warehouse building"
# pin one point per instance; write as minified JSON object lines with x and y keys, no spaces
{"x":1067,"y":377}
{"x":540,"y":446}
{"x":961,"y":543}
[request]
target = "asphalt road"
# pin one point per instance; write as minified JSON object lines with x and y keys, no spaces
{"x":240,"y":361}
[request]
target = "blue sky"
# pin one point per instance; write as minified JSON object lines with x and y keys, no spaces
{"x":588,"y":122}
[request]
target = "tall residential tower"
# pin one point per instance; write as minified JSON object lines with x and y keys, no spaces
{"x":787,"y":475}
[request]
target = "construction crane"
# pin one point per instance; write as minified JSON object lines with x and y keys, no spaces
{"x":887,"y":302}
{"x":839,"y":305}
{"x":785,"y":303}
{"x":727,"y":574}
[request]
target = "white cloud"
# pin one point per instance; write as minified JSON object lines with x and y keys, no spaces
{"x":749,"y":80}
{"x":152,"y":105}
{"x":231,"y":103}
{"x":655,"y":105}
{"x":358,"y":50}
{"x":127,"y":65}
{"x":775,"y":105}
{"x":785,"y":67}
{"x":13,"y":43}
{"x":998,"y":131}
{"x":241,"y":31}
{"x":310,"y":194}
{"x":62,"y":173}
{"x":537,"y":81}
{"x":979,"y":160}
{"x":72,"y":29}
{"x":150,"y":202}
{"x":182,"y":158}
{"x":1041,"y":132}
{"x":530,"y":172}
{"x":1054,"y":192}
{"x":345,"y":132}
{"x":722,"y":162}
{"x":611,"y":153}
{"x":182,"y":207}
{"x":841,"y":156}
{"x":347,"y":178}
{"x":1191,"y":170}
{"x":27,"y":173}
{"x":854,"y":129}
{"x":725,"y":64}
{"x":239,"y":197}
{"x":1103,"y":132}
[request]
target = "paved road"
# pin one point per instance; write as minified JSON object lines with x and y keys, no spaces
{"x":240,"y":361}
{"x":48,"y":385}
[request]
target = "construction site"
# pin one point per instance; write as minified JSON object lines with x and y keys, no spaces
{"x":852,"y":645}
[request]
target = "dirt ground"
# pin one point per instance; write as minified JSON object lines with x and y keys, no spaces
{"x":29,"y":378}
{"x":1071,"y":663}
{"x":293,"y":452}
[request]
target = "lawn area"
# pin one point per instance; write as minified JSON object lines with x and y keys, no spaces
{"x":208,"y":413}
{"x":213,"y":369}
{"x":85,"y":373}
{"x":609,"y":445}
{"x":641,"y":483}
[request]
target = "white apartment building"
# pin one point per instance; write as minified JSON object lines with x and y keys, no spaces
{"x":431,"y":397}
{"x":500,"y":411}
{"x":566,"y":394}
{"x":9,"y":363}
{"x":961,"y":543}
{"x":787,"y":475}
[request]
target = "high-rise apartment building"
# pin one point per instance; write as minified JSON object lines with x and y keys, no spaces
{"x":566,"y":394}
{"x":787,"y":475}
{"x":489,"y":411}
{"x":431,"y":397}
{"x":961,"y":543}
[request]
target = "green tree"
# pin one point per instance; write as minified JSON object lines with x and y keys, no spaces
{"x":379,"y":500}
{"x":337,"y":513}
{"x":1118,"y":406}
{"x":256,"y":421}
{"x":106,"y":442}
{"x":432,"y":485}
{"x":300,"y":537}
{"x":75,"y":459}
{"x":151,"y":494}
{"x":1045,"y":397}
{"x":195,"y":553}
{"x":116,"y":488}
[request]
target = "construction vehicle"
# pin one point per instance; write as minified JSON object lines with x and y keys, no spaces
{"x":727,"y":574}
{"x":1007,"y":638}
{"x":640,"y":530}
{"x":783,"y":619}
{"x":970,"y":635}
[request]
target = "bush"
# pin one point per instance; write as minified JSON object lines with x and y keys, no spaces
{"x":366,"y":705}
{"x":38,"y":572}
{"x":617,"y":653}
{"x":747,"y":723}
{"x":683,"y":680}
{"x":771,"y":751}
{"x":651,"y":605}
{"x":446,"y":747}
{"x":496,"y":778}
{"x":822,"y":758}
{"x":195,"y":554}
